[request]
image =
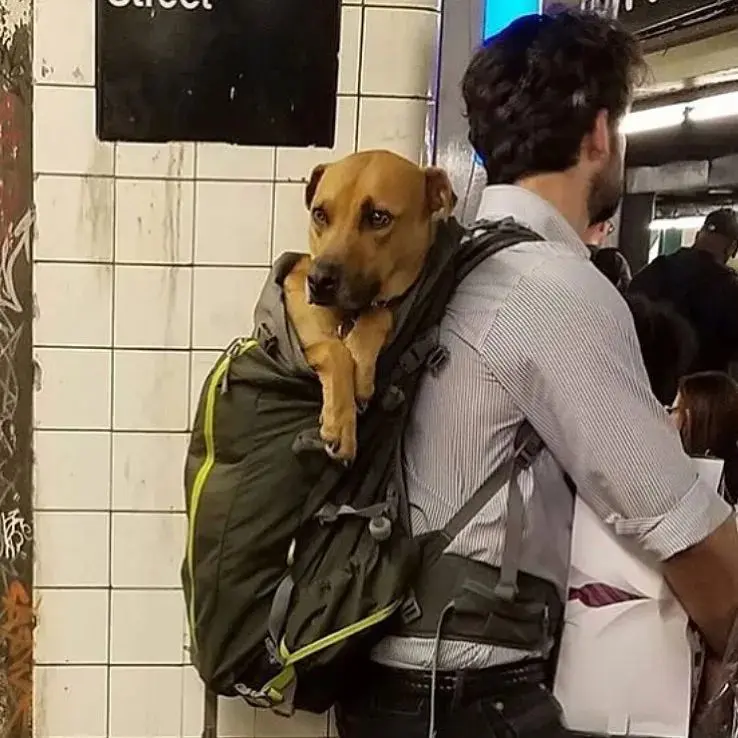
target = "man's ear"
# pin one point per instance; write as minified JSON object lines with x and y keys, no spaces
{"x":312,"y":184}
{"x":600,"y":141}
{"x":439,"y":193}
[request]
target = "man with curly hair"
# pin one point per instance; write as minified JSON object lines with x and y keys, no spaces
{"x":538,"y":337}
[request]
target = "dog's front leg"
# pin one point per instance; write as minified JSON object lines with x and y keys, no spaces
{"x":317,"y":329}
{"x":365,"y":340}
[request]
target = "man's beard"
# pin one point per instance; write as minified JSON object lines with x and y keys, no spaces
{"x":606,"y":193}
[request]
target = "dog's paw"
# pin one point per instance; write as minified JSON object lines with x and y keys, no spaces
{"x":339,"y":437}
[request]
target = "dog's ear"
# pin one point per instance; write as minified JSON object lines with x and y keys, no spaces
{"x":440,"y":194}
{"x":312,"y":184}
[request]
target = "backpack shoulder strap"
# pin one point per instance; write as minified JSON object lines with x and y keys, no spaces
{"x":528,"y":445}
{"x":486,"y":238}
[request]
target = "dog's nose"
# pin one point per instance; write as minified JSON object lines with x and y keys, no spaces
{"x":323,"y":282}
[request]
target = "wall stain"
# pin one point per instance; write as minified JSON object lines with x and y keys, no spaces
{"x":17,"y":620}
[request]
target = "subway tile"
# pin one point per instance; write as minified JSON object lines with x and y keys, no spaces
{"x":298,"y":163}
{"x":74,"y":389}
{"x":193,"y":702}
{"x":66,"y":57}
{"x":150,"y":391}
{"x":74,"y":303}
{"x":226,"y":161}
{"x":146,"y":627}
{"x":145,"y":702}
{"x":348,"y":58}
{"x":201,"y":363}
{"x":147,"y":471}
{"x":74,"y":218}
{"x":397,"y":124}
{"x":72,"y":549}
{"x":224,"y":300}
{"x":233,"y":223}
{"x":152,"y":306}
{"x":300,"y":725}
{"x":64,"y":138}
{"x":72,"y":470}
{"x":162,"y":160}
{"x":236,"y":719}
{"x":154,"y":221}
{"x":291,"y":219}
{"x":413,"y":37}
{"x":72,"y":626}
{"x":148,"y":549}
{"x":70,"y":701}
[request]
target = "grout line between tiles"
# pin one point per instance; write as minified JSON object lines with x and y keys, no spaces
{"x":137,"y":431}
{"x":273,"y":223}
{"x":126,"y":349}
{"x":98,"y":587}
{"x":112,"y":446}
{"x":190,"y":348}
{"x":359,"y":95}
{"x":151,"y":265}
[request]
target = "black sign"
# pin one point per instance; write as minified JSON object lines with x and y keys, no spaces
{"x":644,"y":16}
{"x":252,"y":72}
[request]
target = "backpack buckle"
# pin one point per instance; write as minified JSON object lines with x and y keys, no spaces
{"x":393,"y":398}
{"x":436,"y":359}
{"x":266,"y":338}
{"x":529,"y":452}
{"x":410,"y":610}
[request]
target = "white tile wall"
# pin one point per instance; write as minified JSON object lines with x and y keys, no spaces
{"x":148,"y":261}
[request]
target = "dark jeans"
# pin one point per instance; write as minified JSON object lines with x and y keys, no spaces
{"x":491,"y":703}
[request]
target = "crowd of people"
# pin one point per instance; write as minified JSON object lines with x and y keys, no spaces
{"x":684,"y":311}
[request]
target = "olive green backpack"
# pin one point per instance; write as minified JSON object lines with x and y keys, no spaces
{"x":295,"y":565}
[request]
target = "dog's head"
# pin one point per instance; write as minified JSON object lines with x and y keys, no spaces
{"x":373,"y":217}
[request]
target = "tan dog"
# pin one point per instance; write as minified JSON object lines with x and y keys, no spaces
{"x":373,"y":218}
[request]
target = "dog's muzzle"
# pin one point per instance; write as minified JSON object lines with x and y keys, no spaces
{"x":323,"y":283}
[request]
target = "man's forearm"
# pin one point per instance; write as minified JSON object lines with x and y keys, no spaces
{"x":705,"y":579}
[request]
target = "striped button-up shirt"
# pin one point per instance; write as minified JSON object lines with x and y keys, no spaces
{"x":538,"y":333}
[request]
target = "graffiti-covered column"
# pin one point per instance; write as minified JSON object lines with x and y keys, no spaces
{"x":16,"y":374}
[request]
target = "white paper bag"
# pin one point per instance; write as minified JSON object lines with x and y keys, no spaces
{"x":625,"y":667}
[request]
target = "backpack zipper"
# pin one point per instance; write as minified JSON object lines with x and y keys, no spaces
{"x":218,"y":380}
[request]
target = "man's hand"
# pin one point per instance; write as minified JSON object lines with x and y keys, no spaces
{"x":705,"y":579}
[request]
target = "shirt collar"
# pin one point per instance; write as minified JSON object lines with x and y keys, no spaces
{"x":531,"y":210}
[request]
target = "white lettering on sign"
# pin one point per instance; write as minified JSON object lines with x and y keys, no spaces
{"x":165,"y":4}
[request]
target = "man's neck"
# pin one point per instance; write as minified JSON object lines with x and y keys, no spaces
{"x":705,"y":249}
{"x":565,"y":192}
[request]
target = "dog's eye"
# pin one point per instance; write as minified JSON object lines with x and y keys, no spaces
{"x":379,"y":219}
{"x":320,"y":217}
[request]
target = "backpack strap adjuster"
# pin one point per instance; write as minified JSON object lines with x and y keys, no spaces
{"x":393,"y":398}
{"x":436,"y":359}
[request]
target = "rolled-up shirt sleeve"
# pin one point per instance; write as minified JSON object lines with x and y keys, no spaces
{"x":575,"y":371}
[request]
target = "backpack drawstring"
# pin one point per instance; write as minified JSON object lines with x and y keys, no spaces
{"x":437,"y":643}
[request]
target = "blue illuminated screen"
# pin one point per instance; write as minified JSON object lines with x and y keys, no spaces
{"x":500,"y":13}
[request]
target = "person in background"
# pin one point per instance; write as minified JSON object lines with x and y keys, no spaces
{"x":614,"y":266}
{"x":597,"y":234}
{"x":667,"y":341}
{"x":706,"y":412}
{"x":701,"y":288}
{"x":668,"y":344}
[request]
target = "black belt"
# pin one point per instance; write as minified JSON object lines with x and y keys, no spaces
{"x":469,"y":683}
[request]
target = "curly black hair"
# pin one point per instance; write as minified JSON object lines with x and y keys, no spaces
{"x":533,"y":91}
